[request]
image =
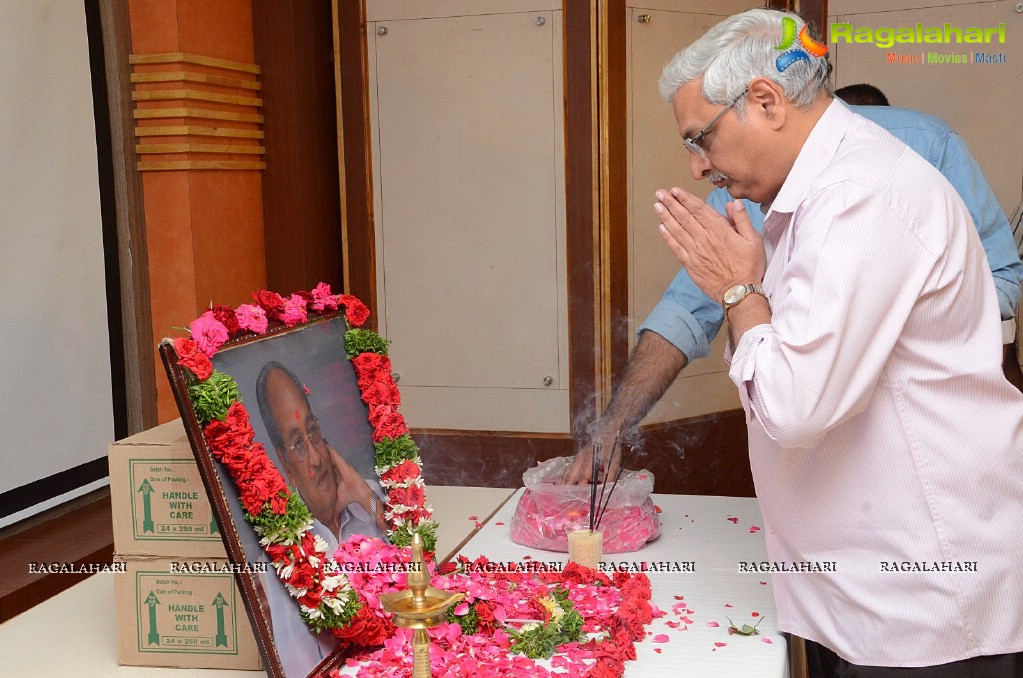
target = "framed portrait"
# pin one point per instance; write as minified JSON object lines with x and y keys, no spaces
{"x":306,"y":410}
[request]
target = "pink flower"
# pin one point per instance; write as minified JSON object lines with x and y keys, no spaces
{"x":323,"y":299}
{"x":294,"y":310}
{"x":252,"y":318}
{"x":208,"y":333}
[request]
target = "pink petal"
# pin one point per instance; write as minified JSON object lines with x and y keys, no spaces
{"x":712,"y":624}
{"x":499,"y":524}
{"x":461,"y":608}
{"x":474,"y":517}
{"x":720,"y":644}
{"x":767,"y":640}
{"x":657,"y":650}
{"x":754,"y":529}
{"x":728,"y":604}
{"x":755,"y":614}
{"x":687,"y":620}
{"x":660,"y":638}
{"x":733,"y":520}
{"x":679,"y":597}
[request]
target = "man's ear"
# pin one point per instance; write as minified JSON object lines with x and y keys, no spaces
{"x":766,"y":101}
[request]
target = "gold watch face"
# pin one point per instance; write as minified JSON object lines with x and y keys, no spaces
{"x":735,"y":294}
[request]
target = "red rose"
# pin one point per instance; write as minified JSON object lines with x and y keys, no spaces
{"x":271,"y":302}
{"x":446,"y":568}
{"x":382,"y":392}
{"x":279,"y":502}
{"x":366,"y":629}
{"x":356,"y":312}
{"x":238,"y":417}
{"x":402,"y":473}
{"x":407,"y":496}
{"x":368,"y":366}
{"x":311,"y":599}
{"x":387,"y":422}
{"x":301,"y":576}
{"x":485,"y":615}
{"x":225,"y":314}
{"x":192,"y":359}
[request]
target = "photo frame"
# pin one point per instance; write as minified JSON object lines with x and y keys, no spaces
{"x":306,"y":413}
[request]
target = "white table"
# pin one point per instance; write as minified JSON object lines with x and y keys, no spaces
{"x":694,"y":530}
{"x":75,"y":632}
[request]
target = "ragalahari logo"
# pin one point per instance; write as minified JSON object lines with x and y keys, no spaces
{"x":807,"y":45}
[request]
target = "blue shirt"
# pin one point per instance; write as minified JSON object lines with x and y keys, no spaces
{"x":690,"y":320}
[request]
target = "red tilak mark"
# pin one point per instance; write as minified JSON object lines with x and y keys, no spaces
{"x":311,"y":474}
{"x":297,"y":415}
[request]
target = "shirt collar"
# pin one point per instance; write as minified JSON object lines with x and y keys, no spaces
{"x":816,"y":154}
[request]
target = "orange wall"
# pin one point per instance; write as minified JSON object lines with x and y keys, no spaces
{"x":204,"y":228}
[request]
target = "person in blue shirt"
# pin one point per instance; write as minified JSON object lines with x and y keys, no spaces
{"x":685,"y":320}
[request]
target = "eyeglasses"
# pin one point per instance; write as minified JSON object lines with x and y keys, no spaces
{"x":312,"y":438}
{"x":693,"y":144}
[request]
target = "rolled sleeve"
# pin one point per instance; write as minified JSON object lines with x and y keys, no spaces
{"x":686,"y":317}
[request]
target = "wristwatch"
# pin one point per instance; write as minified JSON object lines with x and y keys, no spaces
{"x":736,"y":293}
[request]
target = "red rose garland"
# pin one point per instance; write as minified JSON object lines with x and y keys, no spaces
{"x":280,"y":517}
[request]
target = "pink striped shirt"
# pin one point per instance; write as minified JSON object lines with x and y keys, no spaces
{"x":882,"y":434}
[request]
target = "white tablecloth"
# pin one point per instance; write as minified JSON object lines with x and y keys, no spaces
{"x":695,"y":531}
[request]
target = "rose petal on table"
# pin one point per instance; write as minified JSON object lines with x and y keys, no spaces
{"x":719,"y":644}
{"x":657,"y":650}
{"x":672,"y":624}
{"x":733,"y":520}
{"x":712,"y":624}
{"x":477,"y":524}
{"x":728,"y":604}
{"x":687,"y":620}
{"x":658,"y":509}
{"x":679,"y":597}
{"x":499,"y":524}
{"x":755,"y":614}
{"x":754,"y":529}
{"x":660,"y":638}
{"x":767,"y":640}
{"x":763,"y":583}
{"x":474,"y":517}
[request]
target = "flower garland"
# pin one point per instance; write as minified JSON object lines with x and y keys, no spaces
{"x":278,"y":515}
{"x":507,"y":619}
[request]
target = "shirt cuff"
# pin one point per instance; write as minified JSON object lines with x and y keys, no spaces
{"x":1008,"y":297}
{"x":679,"y":327}
{"x":744,"y":363}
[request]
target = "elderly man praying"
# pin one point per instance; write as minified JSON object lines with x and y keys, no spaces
{"x":865,"y":343}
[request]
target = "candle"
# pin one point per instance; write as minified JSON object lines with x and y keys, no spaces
{"x":585,"y":547}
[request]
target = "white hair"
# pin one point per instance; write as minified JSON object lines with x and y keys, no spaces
{"x":739,"y":49}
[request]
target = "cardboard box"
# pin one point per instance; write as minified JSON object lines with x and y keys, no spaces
{"x":173,"y":618}
{"x":159,"y":503}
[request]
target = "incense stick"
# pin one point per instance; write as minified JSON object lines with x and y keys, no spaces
{"x":594,"y":475}
{"x":621,"y":466}
{"x":607,"y":472}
